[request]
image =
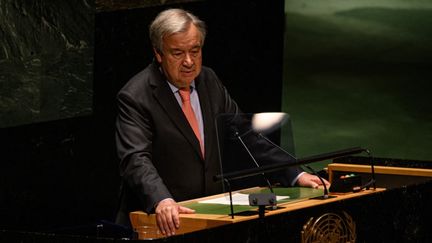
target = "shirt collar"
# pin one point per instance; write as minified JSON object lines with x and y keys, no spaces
{"x":174,"y":89}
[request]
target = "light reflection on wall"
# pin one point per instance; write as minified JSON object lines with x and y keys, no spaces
{"x":46,"y":60}
{"x":356,"y":73}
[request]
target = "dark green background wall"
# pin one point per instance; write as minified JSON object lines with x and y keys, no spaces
{"x":358,"y":73}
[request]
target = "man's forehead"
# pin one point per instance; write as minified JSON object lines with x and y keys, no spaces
{"x":183,"y":44}
{"x":190,"y":37}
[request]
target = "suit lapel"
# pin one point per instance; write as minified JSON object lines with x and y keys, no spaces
{"x":208,"y":120}
{"x":163,"y":94}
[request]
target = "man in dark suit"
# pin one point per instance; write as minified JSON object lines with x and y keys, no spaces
{"x":164,"y":157}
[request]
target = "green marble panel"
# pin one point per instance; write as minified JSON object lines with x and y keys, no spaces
{"x":46,"y":60}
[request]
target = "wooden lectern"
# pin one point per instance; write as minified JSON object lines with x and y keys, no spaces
{"x":209,"y":216}
{"x":398,"y":210}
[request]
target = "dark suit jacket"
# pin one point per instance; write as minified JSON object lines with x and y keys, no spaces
{"x":159,"y":153}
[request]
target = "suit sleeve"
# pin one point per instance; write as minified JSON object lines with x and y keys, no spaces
{"x":134,"y":145}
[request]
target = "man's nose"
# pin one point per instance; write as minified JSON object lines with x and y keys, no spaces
{"x":188,"y":61}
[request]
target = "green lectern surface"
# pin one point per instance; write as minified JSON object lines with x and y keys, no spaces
{"x":295,"y":194}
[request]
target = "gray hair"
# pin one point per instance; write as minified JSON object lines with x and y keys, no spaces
{"x":173,"y":21}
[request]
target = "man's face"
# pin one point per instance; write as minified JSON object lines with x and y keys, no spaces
{"x":181,"y":57}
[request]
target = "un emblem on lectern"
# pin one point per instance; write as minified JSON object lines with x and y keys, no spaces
{"x":329,"y":227}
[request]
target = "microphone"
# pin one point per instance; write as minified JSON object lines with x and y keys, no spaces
{"x":253,"y":159}
{"x":371,"y":182}
{"x":365,"y":186}
{"x":260,"y":199}
{"x":326,"y":194}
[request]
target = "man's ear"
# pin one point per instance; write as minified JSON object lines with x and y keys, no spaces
{"x":157,"y":55}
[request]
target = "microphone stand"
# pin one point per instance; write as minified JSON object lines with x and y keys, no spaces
{"x":326,"y":194}
{"x":254,"y":160}
{"x":372,"y":181}
{"x":230,"y":196}
{"x":260,"y":199}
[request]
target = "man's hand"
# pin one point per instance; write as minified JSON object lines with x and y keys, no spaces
{"x":309,"y":180}
{"x":167,"y":216}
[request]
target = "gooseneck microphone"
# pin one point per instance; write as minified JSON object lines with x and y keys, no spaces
{"x":371,"y":182}
{"x":253,"y":159}
{"x":326,"y":194}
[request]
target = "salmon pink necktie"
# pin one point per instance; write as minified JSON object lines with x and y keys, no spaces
{"x":190,"y":115}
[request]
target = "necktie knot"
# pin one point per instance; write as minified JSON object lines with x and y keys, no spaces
{"x":184,"y":94}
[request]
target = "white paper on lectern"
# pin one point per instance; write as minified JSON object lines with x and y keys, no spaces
{"x":237,"y":198}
